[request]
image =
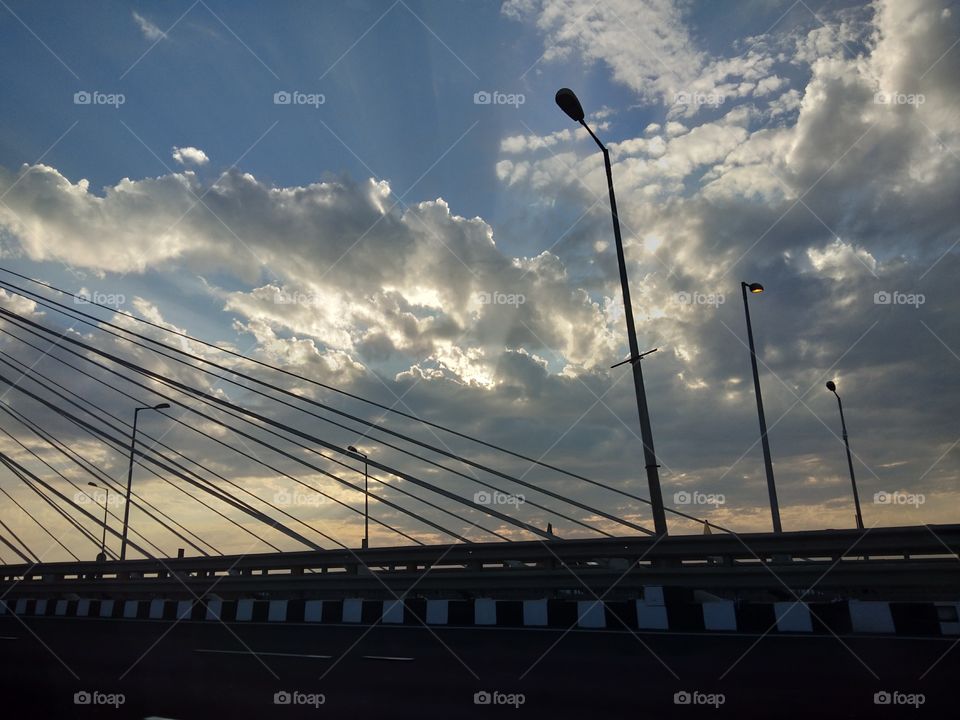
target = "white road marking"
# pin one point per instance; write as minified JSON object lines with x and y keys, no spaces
{"x":387,"y":657}
{"x":274,"y":654}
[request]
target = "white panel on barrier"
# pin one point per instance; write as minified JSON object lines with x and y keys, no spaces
{"x":871,"y":616}
{"x":214,"y":608}
{"x":485,"y":611}
{"x":535,"y":613}
{"x":949,"y":615}
{"x":591,"y":614}
{"x":792,"y":617}
{"x":40,"y":608}
{"x":393,"y":612}
{"x":21,"y":606}
{"x":60,"y":608}
{"x":313,"y":611}
{"x":277,"y":611}
{"x":244,"y":610}
{"x":719,"y":615}
{"x":130,"y":608}
{"x":83,"y":608}
{"x":156,"y":609}
{"x":437,"y":612}
{"x":352,"y":610}
{"x":184,"y":609}
{"x":106,"y":608}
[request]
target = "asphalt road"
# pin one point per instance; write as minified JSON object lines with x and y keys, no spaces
{"x":207,"y":670}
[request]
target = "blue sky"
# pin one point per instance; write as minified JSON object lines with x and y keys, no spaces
{"x":790,"y":168}
{"x":399,"y":98}
{"x":398,"y":81}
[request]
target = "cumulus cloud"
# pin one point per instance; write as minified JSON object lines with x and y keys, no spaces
{"x":830,"y":187}
{"x":190,"y":156}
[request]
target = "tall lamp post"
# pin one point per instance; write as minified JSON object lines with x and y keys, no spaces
{"x":133,"y":445}
{"x":103,"y":542}
{"x":366,"y":498}
{"x":569,"y":103}
{"x":832,"y":387}
{"x":756,"y":289}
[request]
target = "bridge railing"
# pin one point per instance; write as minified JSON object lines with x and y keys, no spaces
{"x":938,"y":542}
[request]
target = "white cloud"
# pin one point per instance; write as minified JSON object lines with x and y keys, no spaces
{"x":149,"y":30}
{"x":812,"y":188}
{"x":190,"y":156}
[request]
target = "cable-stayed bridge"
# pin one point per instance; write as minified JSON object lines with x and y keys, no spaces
{"x":249,"y":483}
{"x":138,"y":362}
{"x":69,"y":368}
{"x":82,"y":363}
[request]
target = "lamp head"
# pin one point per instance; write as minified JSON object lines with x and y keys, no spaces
{"x":831,"y":386}
{"x":755,"y":288}
{"x":161,"y":406}
{"x":568,"y":102}
{"x":352,"y":449}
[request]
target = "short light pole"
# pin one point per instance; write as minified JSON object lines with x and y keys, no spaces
{"x":832,"y":387}
{"x":568,"y":102}
{"x":133,"y":445}
{"x":103,"y":542}
{"x":366,"y":498}
{"x":756,"y":289}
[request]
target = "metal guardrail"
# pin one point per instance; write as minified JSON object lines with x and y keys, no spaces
{"x":901,"y":559}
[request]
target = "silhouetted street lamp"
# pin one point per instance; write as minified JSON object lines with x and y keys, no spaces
{"x":569,"y":103}
{"x":103,"y":542}
{"x":832,"y":387}
{"x":366,"y":498}
{"x":756,"y":289}
{"x":133,"y":444}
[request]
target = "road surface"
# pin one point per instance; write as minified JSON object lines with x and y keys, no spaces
{"x":143,"y":668}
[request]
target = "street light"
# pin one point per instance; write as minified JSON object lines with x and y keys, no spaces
{"x":756,"y":289}
{"x":832,"y":387}
{"x":569,"y":103}
{"x":366,"y":497}
{"x":103,"y":542}
{"x":133,"y":444}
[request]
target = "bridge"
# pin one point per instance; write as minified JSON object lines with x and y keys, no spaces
{"x":469,"y":538}
{"x":902,"y":563}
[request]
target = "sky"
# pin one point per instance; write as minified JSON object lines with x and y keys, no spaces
{"x":385,"y":198}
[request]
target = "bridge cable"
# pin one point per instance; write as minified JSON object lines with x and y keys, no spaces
{"x":332,"y":388}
